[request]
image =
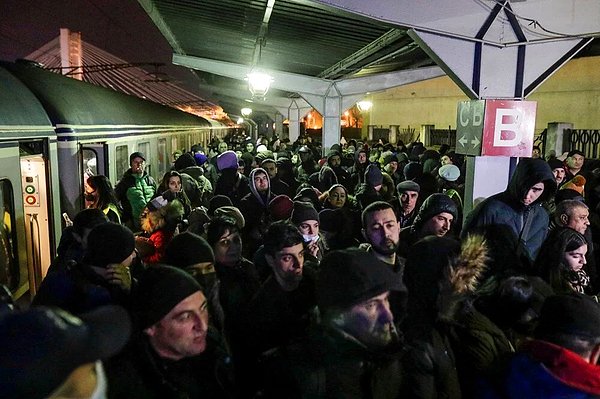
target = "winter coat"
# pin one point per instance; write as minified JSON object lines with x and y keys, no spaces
{"x":528,"y":223}
{"x":139,"y":372}
{"x":544,"y":370}
{"x":134,"y":192}
{"x":254,"y":207}
{"x":330,"y":365}
{"x":159,"y":226}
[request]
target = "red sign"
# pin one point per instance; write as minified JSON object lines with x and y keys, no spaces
{"x":509,"y":128}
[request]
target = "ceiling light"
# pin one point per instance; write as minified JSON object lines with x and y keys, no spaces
{"x":364,"y":106}
{"x":246,"y":112}
{"x":259,"y":83}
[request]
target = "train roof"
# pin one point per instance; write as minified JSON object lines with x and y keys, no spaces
{"x":20,"y":111}
{"x":72,"y":102}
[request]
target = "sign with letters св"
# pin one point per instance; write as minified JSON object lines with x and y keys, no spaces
{"x":495,"y":127}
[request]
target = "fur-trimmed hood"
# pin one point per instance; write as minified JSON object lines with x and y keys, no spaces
{"x":166,"y":216}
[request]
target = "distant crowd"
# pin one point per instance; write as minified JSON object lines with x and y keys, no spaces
{"x":262,"y":269}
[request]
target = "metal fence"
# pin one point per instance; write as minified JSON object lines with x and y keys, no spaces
{"x":443,"y":136}
{"x":584,"y":140}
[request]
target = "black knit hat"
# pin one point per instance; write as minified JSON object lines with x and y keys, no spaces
{"x":303,"y":211}
{"x":555,"y":163}
{"x":108,"y":243}
{"x":216,"y":202}
{"x":136,"y":155}
{"x":575,"y":314}
{"x":188,"y":249}
{"x":434,"y":205}
{"x":160,"y":289}
{"x":373,"y":175}
{"x":350,"y":276}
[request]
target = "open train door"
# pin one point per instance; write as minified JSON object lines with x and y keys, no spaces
{"x":34,"y":182}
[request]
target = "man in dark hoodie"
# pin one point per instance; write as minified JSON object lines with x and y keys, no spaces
{"x":334,"y":161}
{"x":519,"y":207}
{"x":357,"y":171}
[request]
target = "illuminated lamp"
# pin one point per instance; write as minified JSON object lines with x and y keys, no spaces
{"x":259,"y":83}
{"x":364,"y":106}
{"x":246,"y":112}
{"x":240,"y":121}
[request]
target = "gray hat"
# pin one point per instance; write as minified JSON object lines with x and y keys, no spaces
{"x":449,"y":172}
{"x":408,"y":185}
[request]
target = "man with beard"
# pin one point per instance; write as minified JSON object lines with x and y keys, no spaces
{"x":334,"y":161}
{"x":354,"y":350}
{"x":278,"y":186}
{"x":381,"y":230}
{"x":435,"y":218}
{"x":281,"y":310}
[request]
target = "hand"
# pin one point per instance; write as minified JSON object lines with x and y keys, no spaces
{"x":313,"y":248}
{"x":119,"y":275}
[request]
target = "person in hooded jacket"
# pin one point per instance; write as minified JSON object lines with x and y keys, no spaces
{"x":519,"y":207}
{"x":357,"y":171}
{"x":231,"y":183}
{"x":255,"y":208}
{"x":307,"y":166}
{"x":198,"y":188}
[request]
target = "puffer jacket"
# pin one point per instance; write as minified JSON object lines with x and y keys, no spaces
{"x":528,"y":223}
{"x":134,"y":192}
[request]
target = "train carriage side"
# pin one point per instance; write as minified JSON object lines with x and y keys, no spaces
{"x":30,"y":222}
{"x":97,"y":129}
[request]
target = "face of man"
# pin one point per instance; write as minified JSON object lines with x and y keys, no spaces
{"x":382,"y":231}
{"x":335,"y":161}
{"x":370,"y":321}
{"x":249,"y":147}
{"x":535,"y":153}
{"x":261,"y":182}
{"x":533,"y":194}
{"x":271,"y":169}
{"x":575,"y":162}
{"x":309,"y":228}
{"x":362,"y":157}
{"x":287,"y":265}
{"x":578,"y":220}
{"x":408,"y":201}
{"x":575,"y":259}
{"x":559,"y":175}
{"x":445,"y":160}
{"x":182,"y":332}
{"x":228,"y":249}
{"x":222,"y":147}
{"x":137,"y":166}
{"x":438,"y":225}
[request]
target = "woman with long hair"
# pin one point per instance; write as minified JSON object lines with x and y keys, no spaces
{"x":99,"y":194}
{"x":171,"y":187}
{"x":562,"y":259}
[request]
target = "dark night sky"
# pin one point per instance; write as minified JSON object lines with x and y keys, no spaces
{"x":120,"y":27}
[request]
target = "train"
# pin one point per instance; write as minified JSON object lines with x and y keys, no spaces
{"x":54,"y":132}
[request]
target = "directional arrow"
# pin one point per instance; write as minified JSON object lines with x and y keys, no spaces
{"x":463,"y":140}
{"x":475,"y":142}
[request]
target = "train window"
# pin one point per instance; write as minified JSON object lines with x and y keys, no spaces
{"x":122,"y":158}
{"x":144,"y":148}
{"x":174,"y":144}
{"x":10,"y":275}
{"x":89,"y":163}
{"x":162,"y":156}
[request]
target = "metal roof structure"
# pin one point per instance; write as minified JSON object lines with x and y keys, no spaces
{"x":329,"y":39}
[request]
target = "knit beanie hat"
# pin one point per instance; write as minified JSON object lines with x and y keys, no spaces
{"x":216,"y":202}
{"x":185,"y":160}
{"x":307,"y":193}
{"x":349,"y":276}
{"x":188,"y":249}
{"x":136,"y":155}
{"x":434,"y":205}
{"x":160,"y":288}
{"x":303,"y":211}
{"x":280,"y":207}
{"x":413,"y":170}
{"x":408,"y":185}
{"x":233,"y":213}
{"x":449,"y":172}
{"x":555,"y":163}
{"x":571,"y":314}
{"x":200,"y":159}
{"x":331,"y":220}
{"x":373,"y":175}
{"x":577,"y":183}
{"x":227,"y":160}
{"x":108,"y":243}
{"x":567,"y":194}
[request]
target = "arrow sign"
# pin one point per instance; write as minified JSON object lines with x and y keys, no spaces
{"x":463,"y":140}
{"x":475,"y":142}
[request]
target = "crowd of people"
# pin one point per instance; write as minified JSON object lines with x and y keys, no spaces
{"x":266,"y":270}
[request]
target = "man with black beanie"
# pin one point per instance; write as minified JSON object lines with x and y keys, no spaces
{"x":175,"y":353}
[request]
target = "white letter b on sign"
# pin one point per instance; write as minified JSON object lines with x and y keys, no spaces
{"x":507,"y":121}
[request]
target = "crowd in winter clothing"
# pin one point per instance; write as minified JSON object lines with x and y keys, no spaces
{"x":271,"y":270}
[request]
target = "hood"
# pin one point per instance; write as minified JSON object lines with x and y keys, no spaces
{"x":168,"y":215}
{"x":184,"y":161}
{"x":263,"y":200}
{"x":434,"y":205}
{"x":530,"y":171}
